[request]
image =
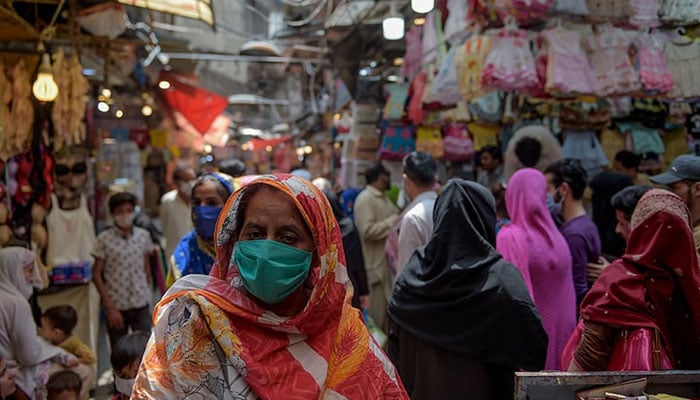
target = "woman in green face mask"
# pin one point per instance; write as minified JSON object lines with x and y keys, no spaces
{"x":273,"y":319}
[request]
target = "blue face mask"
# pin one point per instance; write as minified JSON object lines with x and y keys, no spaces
{"x":271,"y":270}
{"x":554,"y":206}
{"x":205,"y":219}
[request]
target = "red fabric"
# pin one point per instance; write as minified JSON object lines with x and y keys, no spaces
{"x":199,"y":106}
{"x":633,"y":351}
{"x":660,"y":263}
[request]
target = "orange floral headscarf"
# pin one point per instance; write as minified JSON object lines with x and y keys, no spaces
{"x":324,"y":351}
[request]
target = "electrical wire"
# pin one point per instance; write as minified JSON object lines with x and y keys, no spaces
{"x":311,"y":16}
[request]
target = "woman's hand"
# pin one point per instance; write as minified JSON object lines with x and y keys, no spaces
{"x":594,"y":270}
{"x":7,"y":381}
{"x":114,"y":318}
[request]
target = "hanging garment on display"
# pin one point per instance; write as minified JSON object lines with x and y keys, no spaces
{"x":412,"y":58}
{"x":470,"y":67}
{"x":445,"y":85}
{"x":682,"y":56}
{"x":433,"y":43}
{"x":568,"y":72}
{"x":683,"y":12}
{"x":429,"y":140}
{"x":510,"y":66}
{"x":581,"y":116}
{"x":571,"y":7}
{"x":415,"y":104}
{"x":457,"y":22}
{"x":653,"y":70}
{"x":397,"y":140}
{"x":644,"y":13}
{"x":644,"y":140}
{"x":487,"y":108}
{"x":71,"y":234}
{"x":397,"y":94}
{"x":585,"y":147}
{"x":609,"y":57}
{"x":458,"y":143}
{"x":608,"y":10}
{"x":484,"y":135}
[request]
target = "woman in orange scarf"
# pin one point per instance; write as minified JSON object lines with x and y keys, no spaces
{"x":273,"y":320}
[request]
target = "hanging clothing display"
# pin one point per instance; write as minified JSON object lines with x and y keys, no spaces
{"x":608,"y":52}
{"x":568,"y":72}
{"x":683,"y":56}
{"x":510,"y":65}
{"x":71,"y":234}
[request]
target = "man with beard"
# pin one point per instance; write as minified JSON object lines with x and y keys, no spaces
{"x":683,"y":179}
{"x":375,"y":215}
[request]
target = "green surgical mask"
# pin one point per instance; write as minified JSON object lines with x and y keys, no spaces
{"x":271,"y":270}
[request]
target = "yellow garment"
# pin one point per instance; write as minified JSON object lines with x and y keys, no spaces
{"x":484,"y":135}
{"x":79,"y":349}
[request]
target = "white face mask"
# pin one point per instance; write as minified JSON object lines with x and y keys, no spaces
{"x":124,"y":386}
{"x":124,"y":220}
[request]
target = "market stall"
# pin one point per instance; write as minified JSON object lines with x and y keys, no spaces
{"x":602,"y":76}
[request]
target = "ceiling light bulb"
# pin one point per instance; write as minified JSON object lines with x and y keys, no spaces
{"x":102,"y":107}
{"x":165,"y":85}
{"x":45,"y":87}
{"x":146,"y":110}
{"x":119,"y":113}
{"x":393,"y":28}
{"x":422,"y":6}
{"x":107,"y":93}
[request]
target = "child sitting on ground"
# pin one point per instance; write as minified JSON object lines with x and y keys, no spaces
{"x":57,"y":324}
{"x":126,"y":359}
{"x":64,"y":385}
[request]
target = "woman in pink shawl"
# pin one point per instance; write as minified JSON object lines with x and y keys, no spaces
{"x":533,"y":243}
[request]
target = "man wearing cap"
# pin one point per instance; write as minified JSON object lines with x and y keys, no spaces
{"x":683,"y":179}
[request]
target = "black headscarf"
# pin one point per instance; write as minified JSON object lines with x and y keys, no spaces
{"x":605,"y":185}
{"x":458,"y":293}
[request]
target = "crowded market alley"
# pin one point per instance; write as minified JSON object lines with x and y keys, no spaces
{"x":349,"y":199}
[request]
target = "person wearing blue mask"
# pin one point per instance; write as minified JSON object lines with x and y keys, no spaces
{"x":194,"y":253}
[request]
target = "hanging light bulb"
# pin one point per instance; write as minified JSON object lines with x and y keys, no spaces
{"x":45,"y":87}
{"x":422,"y":6}
{"x":102,"y":107}
{"x":119,"y":113}
{"x":147,"y":110}
{"x":393,"y":25}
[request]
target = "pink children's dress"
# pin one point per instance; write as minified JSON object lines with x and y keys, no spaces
{"x":653,"y":70}
{"x":609,"y":57}
{"x":510,"y":66}
{"x":568,"y":72}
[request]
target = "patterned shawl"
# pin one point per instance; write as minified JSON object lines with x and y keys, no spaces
{"x":656,"y":284}
{"x":212,"y":340}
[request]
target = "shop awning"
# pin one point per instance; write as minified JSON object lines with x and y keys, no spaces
{"x":257,"y":144}
{"x":200,"y":107}
{"x":195,"y":9}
